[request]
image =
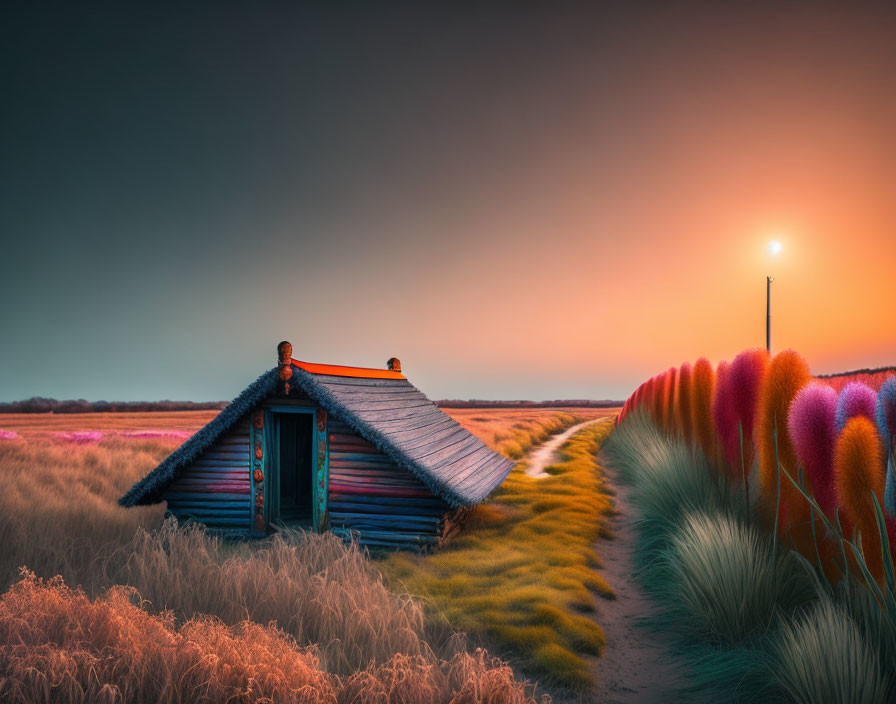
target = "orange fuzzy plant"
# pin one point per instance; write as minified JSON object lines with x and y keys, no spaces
{"x":702,"y":383}
{"x":682,"y":401}
{"x":859,"y":474}
{"x":787,"y":373}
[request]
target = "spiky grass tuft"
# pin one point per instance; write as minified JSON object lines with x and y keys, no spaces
{"x":730,"y":580}
{"x":823,"y":657}
{"x":669,"y":481}
{"x":812,"y":430}
{"x":859,"y":474}
{"x":787,"y":373}
{"x":702,"y":385}
{"x":856,"y":399}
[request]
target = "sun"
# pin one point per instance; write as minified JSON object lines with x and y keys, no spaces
{"x":775,"y":247}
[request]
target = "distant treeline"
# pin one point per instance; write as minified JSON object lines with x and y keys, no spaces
{"x":51,"y":405}
{"x":566,"y":403}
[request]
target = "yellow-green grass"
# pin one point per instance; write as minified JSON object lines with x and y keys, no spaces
{"x":522,"y":573}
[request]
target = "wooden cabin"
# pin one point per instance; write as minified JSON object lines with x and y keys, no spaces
{"x":361,"y":452}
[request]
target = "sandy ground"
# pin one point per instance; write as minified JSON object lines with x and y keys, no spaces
{"x":543,"y":455}
{"x":636,"y":665}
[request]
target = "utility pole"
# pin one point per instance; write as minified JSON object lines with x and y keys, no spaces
{"x":768,"y":313}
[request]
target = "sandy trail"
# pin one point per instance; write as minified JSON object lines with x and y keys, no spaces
{"x":543,"y":455}
{"x":637,"y":665}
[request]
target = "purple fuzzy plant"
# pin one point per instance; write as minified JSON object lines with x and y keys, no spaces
{"x":811,"y":423}
{"x":856,"y":399}
{"x":80,"y":436}
{"x":886,"y":423}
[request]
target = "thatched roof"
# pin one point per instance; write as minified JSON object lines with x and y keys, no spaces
{"x":385,"y":409}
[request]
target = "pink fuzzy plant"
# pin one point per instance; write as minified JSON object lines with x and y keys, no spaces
{"x":80,"y":436}
{"x":856,"y":399}
{"x":811,"y":423}
{"x":734,"y":407}
{"x":150,"y":434}
{"x":9,"y":435}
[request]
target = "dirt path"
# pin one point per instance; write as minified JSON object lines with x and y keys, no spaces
{"x":543,"y":455}
{"x":636,"y":665}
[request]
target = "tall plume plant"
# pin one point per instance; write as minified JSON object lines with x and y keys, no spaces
{"x":724,"y":420}
{"x":787,"y":373}
{"x":886,"y":424}
{"x":702,"y":384}
{"x":669,"y":382}
{"x":747,"y":374}
{"x":658,"y":395}
{"x":683,"y":402}
{"x":859,"y":475}
{"x":734,"y":409}
{"x":812,"y":429}
{"x":856,"y":399}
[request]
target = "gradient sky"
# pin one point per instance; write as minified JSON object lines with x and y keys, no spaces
{"x":519,"y":203}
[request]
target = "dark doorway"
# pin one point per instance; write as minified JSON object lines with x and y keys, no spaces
{"x":296,"y":491}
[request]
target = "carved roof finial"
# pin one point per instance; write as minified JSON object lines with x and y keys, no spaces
{"x":284,"y":352}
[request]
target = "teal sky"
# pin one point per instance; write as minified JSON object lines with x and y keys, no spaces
{"x":489,"y":194}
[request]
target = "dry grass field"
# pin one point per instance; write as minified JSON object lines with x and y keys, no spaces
{"x":44,"y":426}
{"x":513,"y":432}
{"x":338,"y":632}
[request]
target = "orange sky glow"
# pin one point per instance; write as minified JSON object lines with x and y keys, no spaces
{"x":555,"y":207}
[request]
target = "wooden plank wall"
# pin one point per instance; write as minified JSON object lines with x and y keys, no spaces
{"x":216,"y":488}
{"x":385,"y":505}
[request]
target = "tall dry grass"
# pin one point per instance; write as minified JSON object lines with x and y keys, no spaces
{"x":58,"y":505}
{"x":314,"y":587}
{"x":248,"y":614}
{"x":61,"y":646}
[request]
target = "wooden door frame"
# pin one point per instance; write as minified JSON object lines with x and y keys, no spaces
{"x":272,"y":457}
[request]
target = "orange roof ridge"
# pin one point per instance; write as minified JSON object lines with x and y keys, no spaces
{"x":339,"y":370}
